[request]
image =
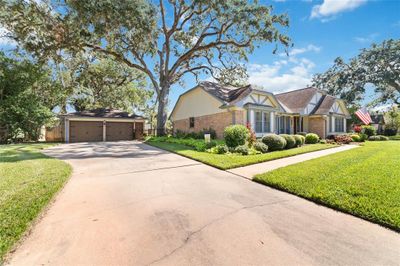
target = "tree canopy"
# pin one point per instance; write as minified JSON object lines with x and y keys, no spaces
{"x":27,"y":95}
{"x":378,"y":66}
{"x":165,"y":40}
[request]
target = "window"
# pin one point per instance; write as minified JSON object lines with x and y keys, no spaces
{"x":267,"y":122}
{"x":258,"y":121}
{"x":339,"y":124}
{"x":191,"y":122}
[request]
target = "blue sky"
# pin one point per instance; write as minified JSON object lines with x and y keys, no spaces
{"x":321,"y":30}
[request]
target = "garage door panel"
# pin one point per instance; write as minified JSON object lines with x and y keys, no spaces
{"x":119,"y":131}
{"x":85,"y":131}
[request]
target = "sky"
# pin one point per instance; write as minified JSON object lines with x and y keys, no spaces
{"x":321,"y":30}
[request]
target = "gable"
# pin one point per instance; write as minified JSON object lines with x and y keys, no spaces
{"x":337,"y":108}
{"x":259,"y":99}
{"x":194,"y":103}
{"x":312,"y":103}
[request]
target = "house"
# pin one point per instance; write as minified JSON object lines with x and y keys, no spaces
{"x":211,"y":105}
{"x":97,"y":125}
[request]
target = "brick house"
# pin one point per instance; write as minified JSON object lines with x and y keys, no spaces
{"x":210,"y":105}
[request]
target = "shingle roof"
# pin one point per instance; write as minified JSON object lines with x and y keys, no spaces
{"x":226,"y":94}
{"x":105,"y":113}
{"x":297,"y":100}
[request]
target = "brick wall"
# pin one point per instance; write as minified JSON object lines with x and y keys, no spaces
{"x":217,"y":121}
{"x":317,"y":125}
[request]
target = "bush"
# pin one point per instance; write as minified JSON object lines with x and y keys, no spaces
{"x":221,"y":149}
{"x":356,"y":138}
{"x":302,"y":133}
{"x":357,"y":129}
{"x":312,"y":138}
{"x":290,"y":141}
{"x":363,"y":137}
{"x":369,"y":130}
{"x":300,"y":139}
{"x":343,"y":139}
{"x":323,"y":141}
{"x":378,"y":138}
{"x":274,"y":142}
{"x":211,"y":144}
{"x":390,"y":131}
{"x":242,"y":149}
{"x":260,"y":146}
{"x":235,"y":135}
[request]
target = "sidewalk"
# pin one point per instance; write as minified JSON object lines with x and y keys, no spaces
{"x":259,"y":168}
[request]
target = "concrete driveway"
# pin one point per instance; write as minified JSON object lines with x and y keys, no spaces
{"x":129,"y":203}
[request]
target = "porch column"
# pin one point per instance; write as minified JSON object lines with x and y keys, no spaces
{"x":272,"y":122}
{"x":345,"y":124}
{"x":252,"y":124}
{"x":333,"y":124}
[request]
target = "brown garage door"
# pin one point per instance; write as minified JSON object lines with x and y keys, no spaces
{"x":119,"y":131}
{"x":138,"y":130}
{"x":85,"y":131}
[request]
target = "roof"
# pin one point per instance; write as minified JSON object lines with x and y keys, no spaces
{"x":297,"y":100}
{"x":104,"y":113}
{"x":325,"y":105}
{"x":226,"y":94}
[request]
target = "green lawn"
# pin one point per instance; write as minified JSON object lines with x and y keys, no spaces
{"x":28,"y":181}
{"x":364,"y":182}
{"x":228,"y":161}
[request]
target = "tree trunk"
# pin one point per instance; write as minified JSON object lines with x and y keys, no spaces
{"x":162,"y":111}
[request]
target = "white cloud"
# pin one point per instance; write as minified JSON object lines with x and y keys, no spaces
{"x":308,"y":48}
{"x":276,"y":78}
{"x":329,"y":8}
{"x":367,"y":39}
{"x":4,"y":39}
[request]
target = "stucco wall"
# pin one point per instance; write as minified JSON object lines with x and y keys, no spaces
{"x":217,"y":121}
{"x":317,"y":125}
{"x":196,"y":103}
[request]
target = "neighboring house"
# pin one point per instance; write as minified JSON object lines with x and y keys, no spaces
{"x":97,"y":125}
{"x":210,"y":105}
{"x":378,"y":121}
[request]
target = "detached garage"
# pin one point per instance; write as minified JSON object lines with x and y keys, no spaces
{"x":102,"y":125}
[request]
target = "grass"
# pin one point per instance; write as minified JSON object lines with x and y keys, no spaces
{"x":28,"y":181}
{"x":364,"y":182}
{"x":228,"y":161}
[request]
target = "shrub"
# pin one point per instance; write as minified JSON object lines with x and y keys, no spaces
{"x":300,"y":139}
{"x":343,"y":139}
{"x":252,"y":135}
{"x":323,"y":141}
{"x":274,"y":142}
{"x":331,"y":136}
{"x":260,"y":146}
{"x":312,"y":138}
{"x":236,"y":135}
{"x":302,"y":133}
{"x":357,"y":129}
{"x":211,"y":144}
{"x":356,"y":138}
{"x":221,"y":149}
{"x":369,"y":130}
{"x":378,"y":138}
{"x":242,"y":149}
{"x":390,"y":131}
{"x":363,"y":137}
{"x":290,"y":141}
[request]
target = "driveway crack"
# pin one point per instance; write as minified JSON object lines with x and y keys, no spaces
{"x":193,"y":233}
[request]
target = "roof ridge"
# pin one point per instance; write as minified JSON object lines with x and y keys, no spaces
{"x":297,"y":90}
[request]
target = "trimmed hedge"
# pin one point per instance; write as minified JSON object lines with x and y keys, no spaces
{"x":300,"y":139}
{"x":369,"y":130}
{"x":260,"y":146}
{"x":242,"y":149}
{"x":378,"y":138}
{"x":236,"y":135}
{"x":312,"y":138}
{"x":290,"y":141}
{"x":221,"y":149}
{"x":274,"y":142}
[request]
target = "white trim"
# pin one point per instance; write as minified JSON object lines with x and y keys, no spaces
{"x":66,"y":130}
{"x":104,"y":130}
{"x":100,"y":119}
